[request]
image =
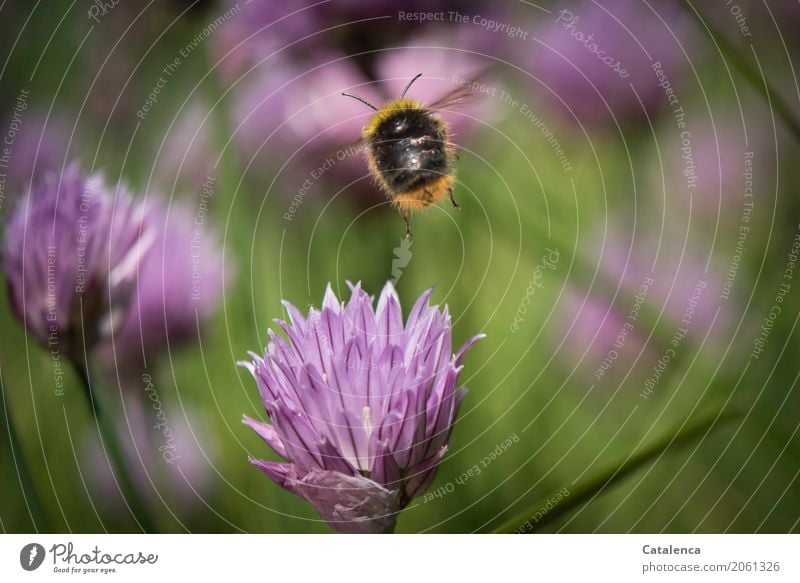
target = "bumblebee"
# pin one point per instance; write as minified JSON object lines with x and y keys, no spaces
{"x":409,"y":153}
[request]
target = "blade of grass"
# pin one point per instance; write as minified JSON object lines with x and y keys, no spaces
{"x":746,"y":69}
{"x":27,"y":486}
{"x":527,"y":521}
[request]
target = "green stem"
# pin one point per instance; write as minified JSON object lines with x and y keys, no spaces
{"x":527,"y":521}
{"x":747,"y":70}
{"x":113,"y":447}
{"x":228,"y":168}
{"x":29,"y":492}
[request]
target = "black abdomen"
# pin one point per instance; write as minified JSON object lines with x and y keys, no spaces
{"x":410,"y":150}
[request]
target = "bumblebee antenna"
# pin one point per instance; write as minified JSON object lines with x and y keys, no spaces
{"x":410,"y":83}
{"x":361,"y":99}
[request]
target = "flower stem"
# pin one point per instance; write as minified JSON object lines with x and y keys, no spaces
{"x":27,"y":486}
{"x":750,"y":73}
{"x":535,"y":518}
{"x":114,"y":449}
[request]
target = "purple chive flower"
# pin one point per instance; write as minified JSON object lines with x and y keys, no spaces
{"x":71,"y":244}
{"x":361,"y":405}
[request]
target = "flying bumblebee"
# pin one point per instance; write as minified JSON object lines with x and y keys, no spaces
{"x":408,"y":150}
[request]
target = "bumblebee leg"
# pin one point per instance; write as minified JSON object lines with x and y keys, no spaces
{"x":452,"y":198}
{"x":404,"y":214}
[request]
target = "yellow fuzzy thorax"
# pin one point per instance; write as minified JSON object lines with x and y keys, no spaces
{"x":386,"y":110}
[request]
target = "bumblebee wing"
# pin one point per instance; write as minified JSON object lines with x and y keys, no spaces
{"x":457,"y":98}
{"x":463,"y":94}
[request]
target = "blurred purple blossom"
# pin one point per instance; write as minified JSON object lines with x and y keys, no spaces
{"x":179,"y":286}
{"x":287,"y":110}
{"x":589,"y":55}
{"x":283,"y":108}
{"x":167,"y":464}
{"x":70,"y":244}
{"x":263,"y":27}
{"x":40,"y":145}
{"x":722,"y":158}
{"x":639,"y":285}
{"x":185,"y":156}
{"x":601,"y":337}
{"x":677,"y":266}
{"x":361,"y":405}
{"x":283,"y":114}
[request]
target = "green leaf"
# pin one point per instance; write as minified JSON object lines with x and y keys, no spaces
{"x":539,"y":515}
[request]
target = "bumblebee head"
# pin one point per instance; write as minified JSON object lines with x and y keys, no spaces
{"x":388,"y":109}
